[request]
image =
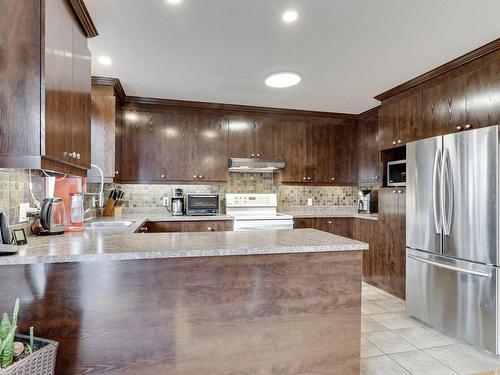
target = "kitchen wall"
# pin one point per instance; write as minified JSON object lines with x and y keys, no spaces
{"x":14,"y":189}
{"x":149,"y":198}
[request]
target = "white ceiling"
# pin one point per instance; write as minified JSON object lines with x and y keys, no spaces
{"x":347,"y":51}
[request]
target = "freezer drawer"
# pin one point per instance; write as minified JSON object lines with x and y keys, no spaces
{"x":456,"y":297}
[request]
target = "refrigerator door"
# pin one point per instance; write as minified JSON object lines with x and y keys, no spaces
{"x":454,"y":296}
{"x":423,"y":213}
{"x":470,"y":195}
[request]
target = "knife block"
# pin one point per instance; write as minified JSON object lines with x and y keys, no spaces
{"x":109,"y":208}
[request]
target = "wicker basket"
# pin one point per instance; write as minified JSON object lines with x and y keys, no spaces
{"x":41,"y":362}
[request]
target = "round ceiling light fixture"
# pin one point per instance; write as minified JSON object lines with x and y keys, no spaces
{"x":283,"y":79}
{"x":104,"y":60}
{"x":174,"y":1}
{"x":290,"y":16}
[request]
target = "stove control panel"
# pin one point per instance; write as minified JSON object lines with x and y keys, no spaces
{"x":251,"y":200}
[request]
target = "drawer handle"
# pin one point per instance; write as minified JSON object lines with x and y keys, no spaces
{"x":448,"y":267}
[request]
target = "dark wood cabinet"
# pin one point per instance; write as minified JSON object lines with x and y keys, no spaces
{"x":368,"y":231}
{"x":186,"y":226}
{"x":339,"y":226}
{"x":343,"y":163}
{"x":242,"y":131}
{"x":45,"y":101}
{"x":367,"y":149}
{"x":400,"y":122}
{"x":295,"y":151}
{"x":303,"y":223}
{"x":319,"y":151}
{"x":391,"y":263}
{"x":482,"y":95}
{"x":444,"y":108}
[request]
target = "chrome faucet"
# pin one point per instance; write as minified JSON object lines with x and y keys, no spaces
{"x":101,"y":191}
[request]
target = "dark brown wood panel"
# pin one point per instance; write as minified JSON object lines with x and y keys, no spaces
{"x":81,"y":98}
{"x":368,"y":231}
{"x":303,"y":223}
{"x":186,"y":226}
{"x":269,"y":138}
{"x":20,"y":63}
{"x":410,"y":127}
{"x":343,"y":161}
{"x":318,"y":152}
{"x":268,"y":314}
{"x":295,"y":152}
{"x":483,"y":96}
{"x":368,"y":152}
{"x":339,"y":226}
{"x":241,"y":136}
{"x":388,"y":126}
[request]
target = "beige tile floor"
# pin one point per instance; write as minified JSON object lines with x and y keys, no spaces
{"x":392,"y":343}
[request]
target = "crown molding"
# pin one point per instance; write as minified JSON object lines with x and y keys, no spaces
{"x":83,"y":16}
{"x":114,"y":82}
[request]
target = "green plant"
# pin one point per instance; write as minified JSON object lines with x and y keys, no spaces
{"x":7,"y":332}
{"x":30,"y":346}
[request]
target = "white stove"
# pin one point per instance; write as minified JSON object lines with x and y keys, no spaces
{"x":256,"y":212}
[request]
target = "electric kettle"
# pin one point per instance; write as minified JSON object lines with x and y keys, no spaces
{"x":52,"y":216}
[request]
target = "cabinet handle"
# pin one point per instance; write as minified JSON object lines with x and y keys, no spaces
{"x":394,"y":142}
{"x":329,"y":222}
{"x":162,"y":176}
{"x":78,"y":156}
{"x":200,"y":176}
{"x":253,"y":155}
{"x":459,"y":127}
{"x":308,"y":178}
{"x":258,"y":155}
{"x":394,"y":192}
{"x":468,"y":126}
{"x":73,"y":155}
{"x":210,"y":229}
{"x":377,"y":177}
{"x":304,"y":178}
{"x":400,"y":191}
{"x":333,"y":178}
{"x":117,"y":173}
{"x":400,"y":141}
{"x":373,"y":177}
{"x":195,"y":176}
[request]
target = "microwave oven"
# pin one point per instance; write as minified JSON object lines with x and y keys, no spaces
{"x":202,"y":204}
{"x":396,"y":173}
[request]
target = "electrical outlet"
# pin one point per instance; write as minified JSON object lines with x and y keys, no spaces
{"x":166,"y":202}
{"x":23,"y":212}
{"x":309,"y":201}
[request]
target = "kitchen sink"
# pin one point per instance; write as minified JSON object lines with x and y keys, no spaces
{"x":109,"y":224}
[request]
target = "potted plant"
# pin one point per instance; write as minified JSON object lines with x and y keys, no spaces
{"x":20,"y":354}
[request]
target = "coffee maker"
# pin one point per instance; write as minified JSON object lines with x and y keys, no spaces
{"x":367,"y":201}
{"x":177,"y":202}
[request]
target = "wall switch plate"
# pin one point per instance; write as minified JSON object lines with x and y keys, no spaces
{"x":23,"y":212}
{"x":309,"y":201}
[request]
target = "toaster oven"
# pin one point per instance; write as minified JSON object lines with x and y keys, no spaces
{"x":202,"y":204}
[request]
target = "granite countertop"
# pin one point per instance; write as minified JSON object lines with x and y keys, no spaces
{"x":123,"y":244}
{"x":306,"y":212}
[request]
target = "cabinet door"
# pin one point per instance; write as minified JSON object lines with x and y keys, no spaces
{"x":368,"y":153}
{"x":210,"y":152}
{"x":318,"y":152}
{"x":444,"y":108}
{"x":483,"y":96}
{"x":388,"y":126}
{"x":343,"y":158}
{"x":367,"y":231}
{"x":241,"y":137}
{"x":20,"y":77}
{"x":141,"y":157}
{"x":208,"y":226}
{"x":410,"y":119}
{"x":103,"y":135}
{"x":295,"y":151}
{"x":338,"y":226}
{"x":58,"y":80}
{"x":390,"y":271}
{"x":80,"y":99}
{"x":303,"y":223}
{"x":269,"y":139}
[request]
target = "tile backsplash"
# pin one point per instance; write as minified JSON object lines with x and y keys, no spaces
{"x":149,"y":198}
{"x":14,"y":189}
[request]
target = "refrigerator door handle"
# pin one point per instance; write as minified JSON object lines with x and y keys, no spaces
{"x":446,"y":193}
{"x":449,"y":267}
{"x":436,"y":179}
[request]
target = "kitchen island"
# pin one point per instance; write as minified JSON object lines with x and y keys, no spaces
{"x":267,"y":302}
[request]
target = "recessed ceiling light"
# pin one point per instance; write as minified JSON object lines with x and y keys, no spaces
{"x":174,"y":1}
{"x":283,"y":79}
{"x":104,"y":60}
{"x":290,"y":16}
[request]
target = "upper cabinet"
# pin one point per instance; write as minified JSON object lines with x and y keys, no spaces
{"x":368,"y":153}
{"x":44,"y":126}
{"x":255,"y":137}
{"x":400,"y":122}
{"x":343,"y":163}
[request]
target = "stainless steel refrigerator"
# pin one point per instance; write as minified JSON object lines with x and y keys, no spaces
{"x":452,"y":255}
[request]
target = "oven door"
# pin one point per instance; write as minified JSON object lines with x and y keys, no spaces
{"x":202,"y":204}
{"x":263,"y":224}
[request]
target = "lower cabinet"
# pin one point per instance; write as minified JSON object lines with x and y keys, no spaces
{"x":186,"y":226}
{"x":384,"y":264}
{"x":339,"y":226}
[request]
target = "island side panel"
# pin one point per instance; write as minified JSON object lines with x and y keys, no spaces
{"x":264,"y":314}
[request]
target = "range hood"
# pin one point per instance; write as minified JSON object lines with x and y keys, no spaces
{"x":249,"y":165}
